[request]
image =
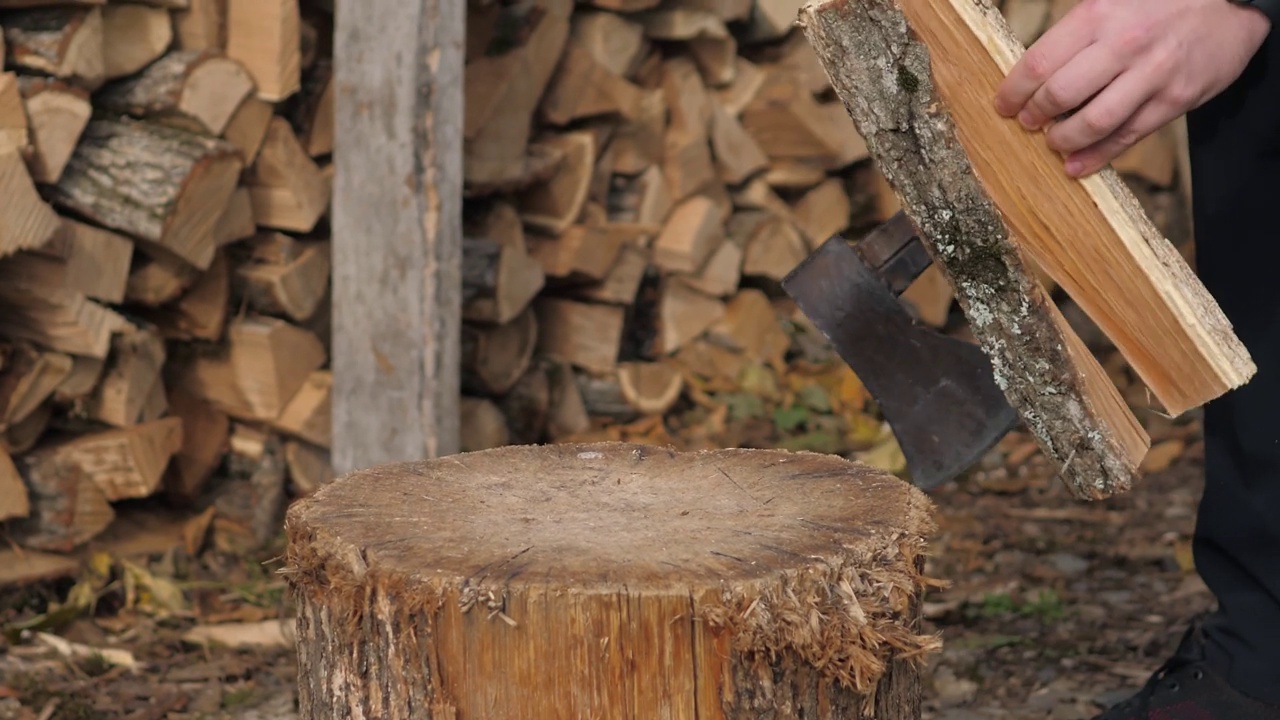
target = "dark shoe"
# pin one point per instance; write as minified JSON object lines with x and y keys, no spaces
{"x":1186,"y":688}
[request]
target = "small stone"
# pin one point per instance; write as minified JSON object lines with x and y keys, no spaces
{"x":1068,"y":564}
{"x":1113,"y":697}
{"x":950,"y":690}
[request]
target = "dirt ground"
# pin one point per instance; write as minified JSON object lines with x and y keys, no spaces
{"x":1056,"y":607}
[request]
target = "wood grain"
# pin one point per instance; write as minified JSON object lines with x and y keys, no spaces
{"x":397,"y":235}
{"x":883,"y":71}
{"x":543,"y":582}
{"x":1091,"y":236}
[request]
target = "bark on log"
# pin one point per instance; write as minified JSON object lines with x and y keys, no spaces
{"x":197,"y":90}
{"x":411,"y":606}
{"x":883,"y":73}
{"x":65,"y":42}
{"x":152,"y":182}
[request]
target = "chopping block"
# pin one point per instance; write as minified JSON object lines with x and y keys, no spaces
{"x":611,"y":580}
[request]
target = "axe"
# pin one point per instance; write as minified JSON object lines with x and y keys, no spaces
{"x":937,"y":393}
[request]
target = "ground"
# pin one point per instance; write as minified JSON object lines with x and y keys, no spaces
{"x":1056,"y":607}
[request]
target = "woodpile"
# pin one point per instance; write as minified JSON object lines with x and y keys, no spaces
{"x":640,"y":176}
{"x":164,"y":262}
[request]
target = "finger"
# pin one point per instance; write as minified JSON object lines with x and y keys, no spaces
{"x":1152,"y":116}
{"x":1102,"y":116}
{"x":1061,"y":42}
{"x":1080,"y":79}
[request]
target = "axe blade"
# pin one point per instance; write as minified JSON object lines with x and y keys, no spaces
{"x":937,"y":393}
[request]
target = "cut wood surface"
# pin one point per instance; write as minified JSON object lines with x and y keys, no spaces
{"x":65,"y":41}
{"x":1095,"y":241}
{"x":585,"y":586}
{"x":133,"y":36}
{"x":15,"y":134}
{"x":28,"y":221}
{"x":264,"y":35}
{"x":198,"y":90}
{"x":1058,"y":386}
{"x":57,"y":114}
{"x":152,"y":182}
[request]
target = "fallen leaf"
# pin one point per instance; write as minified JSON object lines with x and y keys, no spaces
{"x":147,"y":591}
{"x":113,"y":656}
{"x":265,"y":634}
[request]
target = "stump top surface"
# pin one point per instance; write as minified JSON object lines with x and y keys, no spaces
{"x":585,"y":514}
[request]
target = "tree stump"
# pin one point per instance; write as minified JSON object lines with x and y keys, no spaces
{"x":611,"y":580}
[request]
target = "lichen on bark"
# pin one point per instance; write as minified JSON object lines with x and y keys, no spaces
{"x":882,"y":72}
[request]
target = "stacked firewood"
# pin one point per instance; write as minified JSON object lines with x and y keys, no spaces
{"x":640,"y":176}
{"x":164,"y":260}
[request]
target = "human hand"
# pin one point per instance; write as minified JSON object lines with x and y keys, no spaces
{"x":1126,"y":68}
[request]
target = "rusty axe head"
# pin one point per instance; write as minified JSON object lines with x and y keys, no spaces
{"x":937,"y":392}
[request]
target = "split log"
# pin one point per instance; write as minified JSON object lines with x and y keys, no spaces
{"x":1149,"y":303}
{"x":308,"y":414}
{"x":566,"y":410}
{"x":499,"y":286}
{"x":197,"y":90}
{"x":123,"y":463}
{"x":205,"y":433}
{"x":311,"y":113}
{"x":553,"y":205}
{"x":265,"y":36}
{"x":250,"y":502}
{"x":15,"y":134}
{"x":495,"y":357}
{"x":587,"y":335}
{"x":129,"y":377}
{"x":28,"y":221}
{"x":57,"y":113}
{"x":81,"y":258}
{"x":602,"y":397}
{"x":271,"y":360}
{"x":152,"y":182}
{"x":247,"y":128}
{"x":63,"y":41}
{"x":482,"y":425}
{"x":503,"y":87}
{"x":548,"y":614}
{"x":290,"y":284}
{"x":28,"y":377}
{"x":1066,"y":399}
{"x":58,"y":319}
{"x":650,"y":388}
{"x":202,"y":25}
{"x":67,"y":508}
{"x":527,"y":406}
{"x":309,"y":467}
{"x":133,"y":36}
{"x":288,"y":190}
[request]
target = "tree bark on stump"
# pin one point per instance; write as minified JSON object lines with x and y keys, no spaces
{"x":611,"y":580}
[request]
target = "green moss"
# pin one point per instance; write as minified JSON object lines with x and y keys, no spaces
{"x":907,"y":80}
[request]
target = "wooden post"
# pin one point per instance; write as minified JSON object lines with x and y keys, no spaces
{"x":397,"y":230}
{"x":611,"y":580}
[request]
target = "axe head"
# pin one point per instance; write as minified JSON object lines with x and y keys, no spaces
{"x":937,"y":393}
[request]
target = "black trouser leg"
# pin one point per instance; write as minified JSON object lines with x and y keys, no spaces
{"x":1235,"y":155}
